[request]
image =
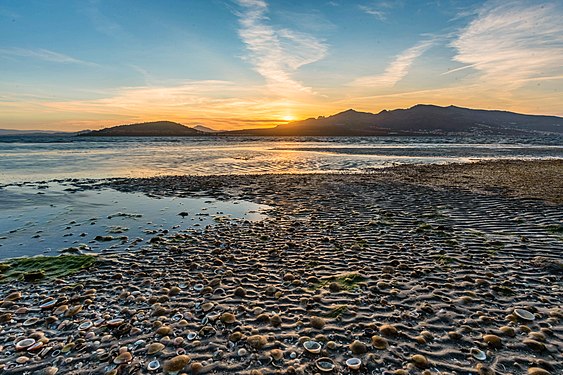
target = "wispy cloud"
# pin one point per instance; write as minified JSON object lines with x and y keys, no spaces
{"x":397,"y":70}
{"x":42,"y":54}
{"x":373,"y":11}
{"x":276,"y":53}
{"x":513,"y":42}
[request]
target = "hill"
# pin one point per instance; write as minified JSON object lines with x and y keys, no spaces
{"x":147,"y":129}
{"x":418,"y":120}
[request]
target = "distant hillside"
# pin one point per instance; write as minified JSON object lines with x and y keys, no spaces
{"x":32,"y":132}
{"x":417,"y":120}
{"x":204,"y":129}
{"x":147,"y":129}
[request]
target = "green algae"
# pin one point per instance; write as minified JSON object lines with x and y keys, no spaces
{"x":346,"y":281}
{"x":337,"y":311}
{"x":43,"y":268}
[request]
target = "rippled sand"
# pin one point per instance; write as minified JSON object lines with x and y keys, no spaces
{"x":408,"y":278}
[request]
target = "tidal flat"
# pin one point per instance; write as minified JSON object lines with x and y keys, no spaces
{"x":410,"y":270}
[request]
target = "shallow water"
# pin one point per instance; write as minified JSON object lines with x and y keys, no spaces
{"x":46,"y":218}
{"x":45,"y":158}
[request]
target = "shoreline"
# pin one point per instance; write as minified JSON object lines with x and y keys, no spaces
{"x":403,"y":268}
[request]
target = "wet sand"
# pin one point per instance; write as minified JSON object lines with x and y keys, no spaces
{"x":413,"y":270}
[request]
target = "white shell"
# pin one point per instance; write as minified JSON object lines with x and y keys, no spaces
{"x":325,"y":364}
{"x":153,"y":365}
{"x":312,"y":347}
{"x":354,"y":363}
{"x":85,"y":325}
{"x":478,"y":354}
{"x":524,"y":314}
{"x":198,"y":287}
{"x":24,"y":344}
{"x":48,"y":304}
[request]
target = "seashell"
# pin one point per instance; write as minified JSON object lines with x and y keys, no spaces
{"x":228,"y":318}
{"x":154,"y":348}
{"x":85,"y":325}
{"x":38,"y":345}
{"x":30,"y":322}
{"x":68,"y":347}
{"x":524,"y":314}
{"x":207,"y":306}
{"x":115,"y":322}
{"x":312,"y":346}
{"x":192,"y":336}
{"x":177,"y":317}
{"x":478,"y":354}
{"x":354,"y":363}
{"x":198,"y":287}
{"x":325,"y":364}
{"x":124,"y":357}
{"x":48,"y":304}
{"x":420,"y":361}
{"x":176,"y":364}
{"x":242,"y":352}
{"x":24,"y":344}
{"x":153,"y":365}
{"x":180,"y":351}
{"x":205,"y":320}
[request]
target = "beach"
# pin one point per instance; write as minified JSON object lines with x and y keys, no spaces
{"x":415,"y":269}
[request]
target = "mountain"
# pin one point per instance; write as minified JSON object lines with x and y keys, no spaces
{"x":32,"y":132}
{"x":418,"y":120}
{"x":204,"y":129}
{"x":147,"y":129}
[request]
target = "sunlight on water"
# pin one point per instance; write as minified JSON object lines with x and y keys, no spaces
{"x":45,"y":158}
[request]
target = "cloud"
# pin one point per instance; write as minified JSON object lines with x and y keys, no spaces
{"x":513,"y":42}
{"x":42,"y":54}
{"x":397,"y":70}
{"x":276,"y":53}
{"x":378,"y":13}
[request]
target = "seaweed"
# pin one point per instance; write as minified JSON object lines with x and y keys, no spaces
{"x":335,"y":312}
{"x":347,"y":281}
{"x":43,"y":268}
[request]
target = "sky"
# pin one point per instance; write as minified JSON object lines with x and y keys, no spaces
{"x":232,"y":64}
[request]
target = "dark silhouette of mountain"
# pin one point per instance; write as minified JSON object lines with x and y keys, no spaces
{"x":418,"y":120}
{"x":204,"y":129}
{"x":147,"y":129}
{"x":13,"y":132}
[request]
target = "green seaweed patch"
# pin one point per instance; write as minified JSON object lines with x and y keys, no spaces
{"x":555,"y":229}
{"x":347,"y":281}
{"x":337,"y":311}
{"x":42,"y":268}
{"x":443,"y":259}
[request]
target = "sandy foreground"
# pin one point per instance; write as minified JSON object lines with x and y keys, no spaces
{"x":413,"y":270}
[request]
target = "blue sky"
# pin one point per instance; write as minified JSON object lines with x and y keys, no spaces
{"x":242,"y":63}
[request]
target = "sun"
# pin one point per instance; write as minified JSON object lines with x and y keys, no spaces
{"x":288,"y":118}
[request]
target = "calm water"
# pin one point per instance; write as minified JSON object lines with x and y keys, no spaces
{"x":28,"y":158}
{"x":46,"y":217}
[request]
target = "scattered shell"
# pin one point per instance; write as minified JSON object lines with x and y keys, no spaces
{"x":354,"y":363}
{"x":325,"y":364}
{"x":48,"y":304}
{"x":312,"y":346}
{"x":124,"y":357}
{"x":198,"y":287}
{"x":257,"y":341}
{"x":228,"y":318}
{"x":420,"y":361}
{"x":276,"y":354}
{"x":176,"y":364}
{"x":478,"y":354}
{"x":24,"y":344}
{"x":192,"y":336}
{"x":388,"y":330}
{"x":30,"y":322}
{"x":153,"y":365}
{"x":493,"y":341}
{"x":537,"y":371}
{"x":115,"y":322}
{"x":317,"y":322}
{"x":154,"y":348}
{"x":379,"y":342}
{"x":358,"y":347}
{"x":85,"y":325}
{"x":524,"y":314}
